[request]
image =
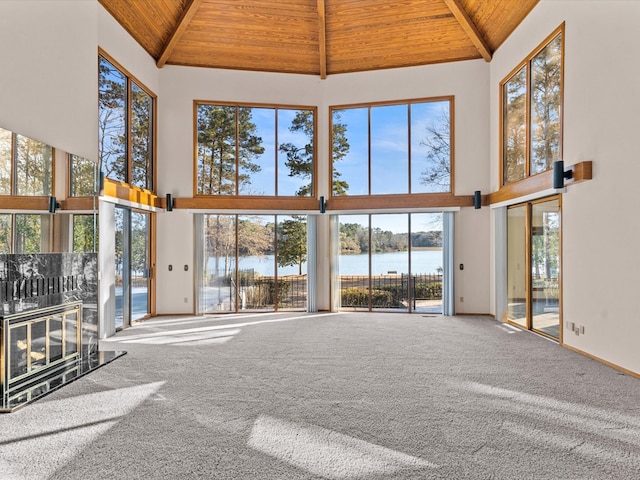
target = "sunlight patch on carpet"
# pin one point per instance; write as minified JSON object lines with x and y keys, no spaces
{"x":41,"y":438}
{"x":586,"y":430}
{"x":327,"y":453}
{"x":199,"y":337}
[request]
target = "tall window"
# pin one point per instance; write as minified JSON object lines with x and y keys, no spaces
{"x":26,"y":165}
{"x":126,"y":119}
{"x":82,"y":177}
{"x":400,"y":148}
{"x":531,"y":112}
{"x":258,"y":151}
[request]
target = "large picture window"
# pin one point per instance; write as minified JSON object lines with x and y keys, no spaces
{"x":531,"y":112}
{"x":126,"y":119}
{"x":254,"y":150}
{"x":397,"y":148}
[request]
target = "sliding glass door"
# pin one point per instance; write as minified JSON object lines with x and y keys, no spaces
{"x":391,"y":262}
{"x":133,"y":240}
{"x":545,"y":267}
{"x":251,"y":263}
{"x":517,"y":265}
{"x":533,"y":266}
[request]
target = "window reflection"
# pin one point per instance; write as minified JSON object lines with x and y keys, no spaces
{"x":55,"y":338}
{"x":18,"y":351}
{"x":38,"y":344}
{"x":70,"y":333}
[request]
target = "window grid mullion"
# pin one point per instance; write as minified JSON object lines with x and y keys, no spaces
{"x":275,"y":152}
{"x":409,"y":148}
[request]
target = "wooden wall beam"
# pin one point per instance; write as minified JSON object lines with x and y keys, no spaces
{"x":228,"y":202}
{"x":581,"y":172}
{"x":133,"y":194}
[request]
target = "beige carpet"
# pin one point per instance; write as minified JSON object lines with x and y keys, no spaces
{"x":331,"y":396}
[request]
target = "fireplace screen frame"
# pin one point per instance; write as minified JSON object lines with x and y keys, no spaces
{"x":30,"y":356}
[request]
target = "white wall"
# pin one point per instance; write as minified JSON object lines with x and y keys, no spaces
{"x":48,"y":85}
{"x":180,"y":86}
{"x":467,"y":81}
{"x":117,"y":43}
{"x":601,"y":233}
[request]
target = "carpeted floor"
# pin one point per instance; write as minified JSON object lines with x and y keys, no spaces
{"x":331,"y":396}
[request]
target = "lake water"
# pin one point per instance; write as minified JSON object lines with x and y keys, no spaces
{"x":423,"y":261}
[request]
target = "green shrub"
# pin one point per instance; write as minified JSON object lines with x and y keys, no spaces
{"x":428,"y":291}
{"x":359,"y":297}
{"x":263,"y":292}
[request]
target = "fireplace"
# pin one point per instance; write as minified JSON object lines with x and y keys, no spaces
{"x":48,"y":324}
{"x":37,"y":344}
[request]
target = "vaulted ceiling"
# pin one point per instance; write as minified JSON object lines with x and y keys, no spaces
{"x":318,"y":37}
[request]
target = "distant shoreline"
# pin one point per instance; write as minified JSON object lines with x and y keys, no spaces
{"x":413,"y":249}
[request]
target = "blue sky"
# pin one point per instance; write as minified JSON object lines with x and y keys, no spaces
{"x":390,"y":146}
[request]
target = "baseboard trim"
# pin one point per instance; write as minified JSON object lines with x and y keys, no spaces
{"x":603,"y":361}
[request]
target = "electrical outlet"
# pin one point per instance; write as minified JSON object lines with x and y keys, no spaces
{"x":461,"y":299}
{"x":186,"y":300}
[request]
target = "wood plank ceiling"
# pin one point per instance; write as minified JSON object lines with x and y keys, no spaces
{"x":318,"y":37}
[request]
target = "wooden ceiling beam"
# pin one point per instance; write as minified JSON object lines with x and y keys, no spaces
{"x":322,"y":39}
{"x":181,"y":26}
{"x":470,"y":28}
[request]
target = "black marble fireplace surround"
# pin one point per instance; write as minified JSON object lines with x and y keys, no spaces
{"x":48,"y":324}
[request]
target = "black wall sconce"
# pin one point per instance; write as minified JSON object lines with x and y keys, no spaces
{"x":170,"y":202}
{"x":559,"y":174}
{"x":323,"y":205}
{"x":477,"y":199}
{"x":53,"y":205}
